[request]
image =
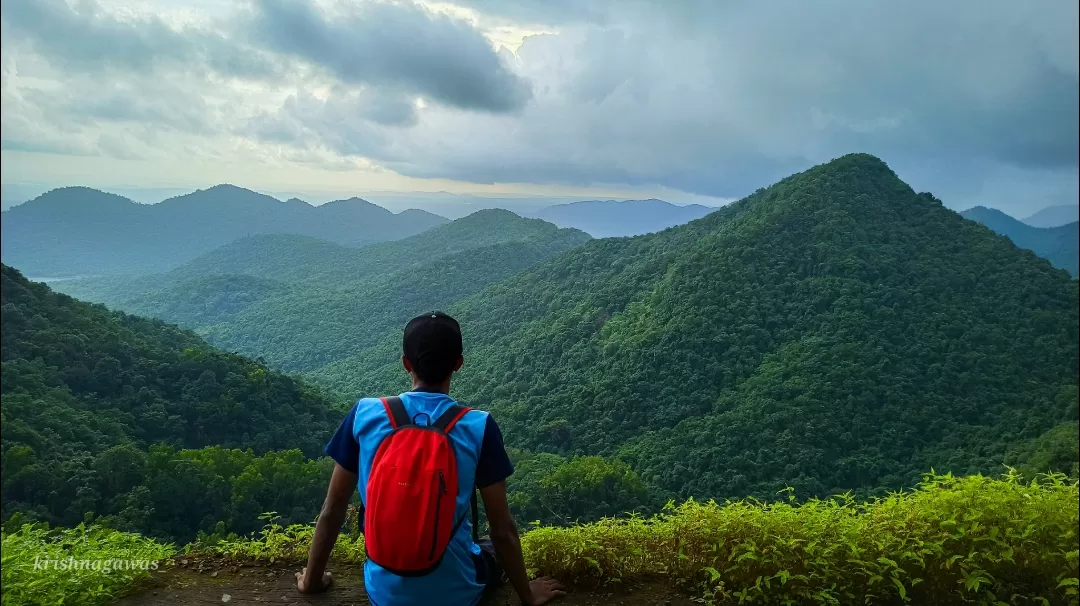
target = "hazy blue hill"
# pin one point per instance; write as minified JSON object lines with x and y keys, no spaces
{"x":610,"y":218}
{"x":1059,"y":245}
{"x":834,"y":331}
{"x":62,"y":233}
{"x":80,"y":231}
{"x":301,"y":303}
{"x":1055,"y":216}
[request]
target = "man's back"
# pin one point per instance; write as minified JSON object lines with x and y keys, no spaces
{"x":481,"y":460}
{"x":431,"y":354}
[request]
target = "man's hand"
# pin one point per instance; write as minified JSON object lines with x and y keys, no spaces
{"x":306,"y":585}
{"x":544,"y":590}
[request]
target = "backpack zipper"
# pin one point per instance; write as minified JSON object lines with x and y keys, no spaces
{"x":438,"y":502}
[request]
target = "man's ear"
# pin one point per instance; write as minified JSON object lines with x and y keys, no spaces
{"x":457,"y":365}
{"x":406,"y":364}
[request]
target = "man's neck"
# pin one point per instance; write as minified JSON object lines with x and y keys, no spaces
{"x":443,"y":388}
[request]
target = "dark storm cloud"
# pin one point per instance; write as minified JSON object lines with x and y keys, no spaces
{"x":397,"y":45}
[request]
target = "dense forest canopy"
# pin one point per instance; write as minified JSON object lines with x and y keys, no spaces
{"x":834,"y":331}
{"x":87,"y":391}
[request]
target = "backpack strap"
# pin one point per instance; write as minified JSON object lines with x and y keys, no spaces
{"x":475,"y":519}
{"x":395,"y":409}
{"x":448,"y":419}
{"x":445,"y":423}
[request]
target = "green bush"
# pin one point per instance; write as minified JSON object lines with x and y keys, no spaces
{"x":953,"y":540}
{"x":82,"y":565}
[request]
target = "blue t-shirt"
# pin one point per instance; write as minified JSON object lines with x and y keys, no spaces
{"x":482,"y":461}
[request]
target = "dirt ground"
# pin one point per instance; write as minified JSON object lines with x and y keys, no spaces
{"x":250,"y":585}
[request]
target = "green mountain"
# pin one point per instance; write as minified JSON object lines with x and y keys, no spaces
{"x":301,"y":303}
{"x":81,"y":231}
{"x":1059,"y":245}
{"x":86,"y":390}
{"x":835,"y":331}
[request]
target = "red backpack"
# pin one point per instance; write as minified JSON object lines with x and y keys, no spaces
{"x":412,"y":493}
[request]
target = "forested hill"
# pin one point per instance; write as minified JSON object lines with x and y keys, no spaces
{"x":302,"y":303}
{"x":834,"y":331}
{"x":1059,"y":245}
{"x":82,"y":231}
{"x":80,"y":383}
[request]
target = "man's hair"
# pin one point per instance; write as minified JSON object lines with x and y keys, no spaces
{"x":432,"y":345}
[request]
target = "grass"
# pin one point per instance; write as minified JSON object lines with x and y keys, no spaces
{"x":85,"y":565}
{"x":953,"y":540}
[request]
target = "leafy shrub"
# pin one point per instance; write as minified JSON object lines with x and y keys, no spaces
{"x":82,"y":565}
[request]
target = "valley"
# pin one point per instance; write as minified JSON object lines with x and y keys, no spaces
{"x":834,"y":333}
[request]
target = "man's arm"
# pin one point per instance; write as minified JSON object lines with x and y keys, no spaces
{"x":313,"y":578}
{"x":504,"y":537}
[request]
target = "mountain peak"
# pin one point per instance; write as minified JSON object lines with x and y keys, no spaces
{"x":75,"y":198}
{"x":226,"y":188}
{"x":353,"y":201}
{"x":860,"y":160}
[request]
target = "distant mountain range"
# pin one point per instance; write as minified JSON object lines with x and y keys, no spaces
{"x":612,"y":218}
{"x":301,"y":303}
{"x":1055,"y":216}
{"x":83,"y":231}
{"x":1059,"y":245}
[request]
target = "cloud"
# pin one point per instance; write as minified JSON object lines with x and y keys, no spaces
{"x":154,"y":104}
{"x":86,"y":38}
{"x":346,"y":122}
{"x":720,"y":98}
{"x":400,"y":46}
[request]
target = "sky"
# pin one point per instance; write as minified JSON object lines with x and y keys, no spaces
{"x":692,"y":101}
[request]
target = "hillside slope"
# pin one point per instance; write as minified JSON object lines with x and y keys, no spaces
{"x":86,"y":389}
{"x":1059,"y":245}
{"x":82,"y":231}
{"x":302,"y":303}
{"x":611,"y":218}
{"x":834,"y":331}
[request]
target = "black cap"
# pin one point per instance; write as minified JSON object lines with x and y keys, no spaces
{"x":432,"y":344}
